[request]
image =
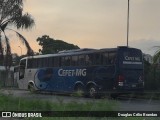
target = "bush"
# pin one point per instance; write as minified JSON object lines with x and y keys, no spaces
{"x":151,"y":76}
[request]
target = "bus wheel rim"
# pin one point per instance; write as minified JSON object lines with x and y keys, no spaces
{"x":92,"y":91}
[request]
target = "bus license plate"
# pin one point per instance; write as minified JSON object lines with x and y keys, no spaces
{"x":133,"y":85}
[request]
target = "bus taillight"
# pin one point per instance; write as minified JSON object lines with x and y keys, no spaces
{"x":121,"y":80}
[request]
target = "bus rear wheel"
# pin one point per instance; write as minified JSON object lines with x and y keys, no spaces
{"x":93,"y":92}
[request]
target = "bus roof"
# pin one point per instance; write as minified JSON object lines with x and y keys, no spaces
{"x":77,"y":52}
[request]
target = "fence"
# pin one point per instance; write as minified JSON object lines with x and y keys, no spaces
{"x":7,"y":78}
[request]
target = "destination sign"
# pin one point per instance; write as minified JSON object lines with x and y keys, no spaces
{"x":131,"y":62}
{"x":127,"y":58}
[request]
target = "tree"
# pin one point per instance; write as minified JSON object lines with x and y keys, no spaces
{"x":11,"y":14}
{"x":50,"y":45}
{"x":156,"y":67}
{"x":156,"y":55}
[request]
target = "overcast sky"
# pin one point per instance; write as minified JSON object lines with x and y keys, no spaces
{"x":95,"y":23}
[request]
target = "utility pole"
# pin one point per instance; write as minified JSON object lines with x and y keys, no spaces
{"x":128,"y":24}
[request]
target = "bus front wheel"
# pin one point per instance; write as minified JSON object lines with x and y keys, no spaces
{"x":79,"y":90}
{"x":31,"y":87}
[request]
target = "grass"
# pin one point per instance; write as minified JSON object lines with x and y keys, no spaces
{"x":20,"y":104}
{"x":10,"y":103}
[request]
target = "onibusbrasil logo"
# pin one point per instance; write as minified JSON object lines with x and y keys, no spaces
{"x":20,"y":114}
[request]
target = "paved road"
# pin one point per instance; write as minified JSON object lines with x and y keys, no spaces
{"x":124,"y":104}
{"x":139,"y":105}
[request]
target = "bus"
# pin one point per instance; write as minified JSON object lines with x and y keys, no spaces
{"x":90,"y":71}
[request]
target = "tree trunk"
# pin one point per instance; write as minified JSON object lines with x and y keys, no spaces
{"x":1,"y":51}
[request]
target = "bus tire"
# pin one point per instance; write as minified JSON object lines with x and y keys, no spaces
{"x":31,"y":87}
{"x":114,"y":95}
{"x":93,"y":91}
{"x":79,"y":90}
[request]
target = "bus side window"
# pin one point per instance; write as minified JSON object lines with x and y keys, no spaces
{"x":67,"y":61}
{"x":74,"y":61}
{"x":22,"y":69}
{"x":81,"y":60}
{"x":57,"y":61}
{"x":61,"y":61}
{"x":39,"y":60}
{"x":97,"y":59}
{"x":89,"y":59}
{"x":35,"y":63}
{"x":42,"y":62}
{"x":50,"y":62}
{"x":30,"y":63}
{"x":105,"y":58}
{"x":112,"y":57}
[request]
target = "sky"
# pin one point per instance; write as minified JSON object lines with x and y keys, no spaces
{"x":94,"y":23}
